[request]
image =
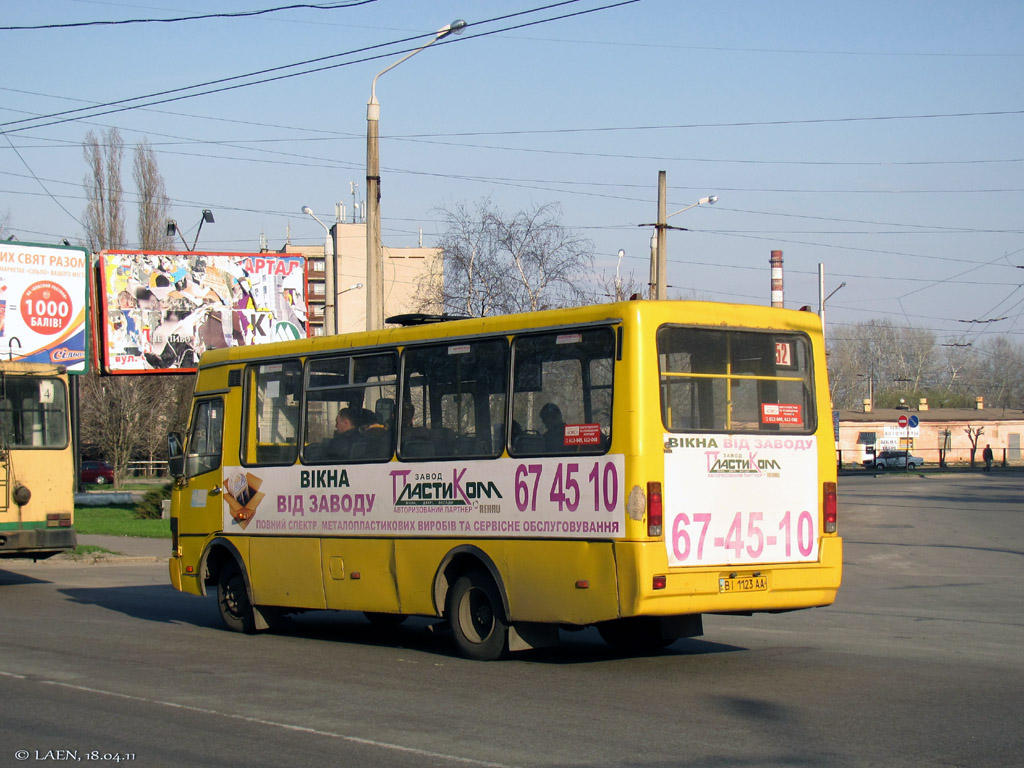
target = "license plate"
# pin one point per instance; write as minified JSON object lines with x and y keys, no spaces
{"x":743,"y":584}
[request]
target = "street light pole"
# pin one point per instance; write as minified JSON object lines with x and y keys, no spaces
{"x":330,"y":275}
{"x":618,"y":279}
{"x":660,"y":287}
{"x":823,"y":298}
{"x":659,"y":241}
{"x":374,"y":255}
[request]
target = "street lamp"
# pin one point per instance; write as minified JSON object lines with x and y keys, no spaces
{"x":374,"y":258}
{"x":330,"y":275}
{"x":709,"y":200}
{"x":172,"y":228}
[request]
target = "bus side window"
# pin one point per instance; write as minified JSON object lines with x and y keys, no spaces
{"x":562,"y":393}
{"x":362,"y":389}
{"x":453,"y":394}
{"x":273,"y":396}
{"x":205,"y":440}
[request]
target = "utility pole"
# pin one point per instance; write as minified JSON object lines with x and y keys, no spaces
{"x":659,"y":241}
{"x":374,"y":260}
{"x":662,"y":292}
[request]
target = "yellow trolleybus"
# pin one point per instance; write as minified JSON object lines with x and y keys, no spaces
{"x":630,"y":466}
{"x":37,"y":467}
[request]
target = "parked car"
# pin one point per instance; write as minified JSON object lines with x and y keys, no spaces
{"x":99,"y":472}
{"x":894,"y":460}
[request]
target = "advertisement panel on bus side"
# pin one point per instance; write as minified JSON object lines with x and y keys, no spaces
{"x":741,"y":499}
{"x":562,"y":498}
{"x":164,"y":309}
{"x":42,"y":304}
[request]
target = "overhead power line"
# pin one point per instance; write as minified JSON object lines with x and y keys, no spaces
{"x":174,"y":20}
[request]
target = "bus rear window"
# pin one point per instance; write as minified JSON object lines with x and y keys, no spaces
{"x":33,"y":412}
{"x":735,"y":381}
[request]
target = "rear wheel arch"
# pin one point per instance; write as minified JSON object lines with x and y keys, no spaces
{"x":458,"y":562}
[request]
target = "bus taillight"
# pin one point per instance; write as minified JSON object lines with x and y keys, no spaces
{"x":654,"y":509}
{"x":830,"y":506}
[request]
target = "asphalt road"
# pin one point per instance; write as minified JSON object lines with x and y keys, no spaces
{"x":918,"y":663}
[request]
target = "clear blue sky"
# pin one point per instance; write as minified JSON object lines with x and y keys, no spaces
{"x":883,"y":140}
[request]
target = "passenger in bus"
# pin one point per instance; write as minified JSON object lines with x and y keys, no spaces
{"x":375,"y":437}
{"x":554,"y":428}
{"x":416,"y":441}
{"x":346,"y":430}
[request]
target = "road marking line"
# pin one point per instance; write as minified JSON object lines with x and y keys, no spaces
{"x":286,"y":726}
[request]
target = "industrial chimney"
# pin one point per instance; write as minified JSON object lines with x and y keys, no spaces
{"x":776,"y":262}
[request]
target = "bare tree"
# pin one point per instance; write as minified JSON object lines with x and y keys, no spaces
{"x":126,"y":417}
{"x":115,"y":411}
{"x":154,"y":205}
{"x":974,"y":434}
{"x":104,"y":211}
{"x":496,"y":263}
{"x":900,"y":361}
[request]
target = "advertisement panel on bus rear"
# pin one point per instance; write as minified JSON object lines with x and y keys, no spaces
{"x":741,"y":499}
{"x":561,"y":498}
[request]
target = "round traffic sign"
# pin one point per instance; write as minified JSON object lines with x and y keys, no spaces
{"x":902,"y":421}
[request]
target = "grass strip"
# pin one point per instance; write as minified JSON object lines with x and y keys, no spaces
{"x":119,"y":520}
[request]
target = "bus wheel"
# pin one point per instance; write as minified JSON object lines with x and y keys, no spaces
{"x":641,"y":634}
{"x":233,"y":601}
{"x":477,"y":618}
{"x":385,"y":620}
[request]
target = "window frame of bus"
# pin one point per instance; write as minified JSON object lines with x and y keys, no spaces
{"x":354,"y":365}
{"x":420,"y":382}
{"x":249,"y":446}
{"x":525,"y":381}
{"x":39,"y":412}
{"x":193,"y":467}
{"x":800,"y":361}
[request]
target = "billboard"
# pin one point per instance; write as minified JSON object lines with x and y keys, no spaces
{"x":43,"y":304}
{"x":162,"y":310}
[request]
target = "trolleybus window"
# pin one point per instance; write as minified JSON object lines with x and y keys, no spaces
{"x":33,"y":413}
{"x":455,"y":397}
{"x":350,"y":408}
{"x":728,"y":380}
{"x":273,"y":392}
{"x":562,"y":396}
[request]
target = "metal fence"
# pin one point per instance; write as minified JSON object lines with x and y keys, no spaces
{"x":935,"y":458}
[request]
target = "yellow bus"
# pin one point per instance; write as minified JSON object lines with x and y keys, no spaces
{"x":37,"y":467}
{"x":629,"y":466}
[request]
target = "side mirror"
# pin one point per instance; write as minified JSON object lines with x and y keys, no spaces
{"x":175,"y":455}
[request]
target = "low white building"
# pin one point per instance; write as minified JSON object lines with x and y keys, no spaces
{"x":938,"y":435}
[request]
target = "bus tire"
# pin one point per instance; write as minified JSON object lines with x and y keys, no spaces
{"x":640,"y":634}
{"x":233,"y":600}
{"x":477,"y":617}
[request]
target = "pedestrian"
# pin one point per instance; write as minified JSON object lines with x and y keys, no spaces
{"x":987,"y":456}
